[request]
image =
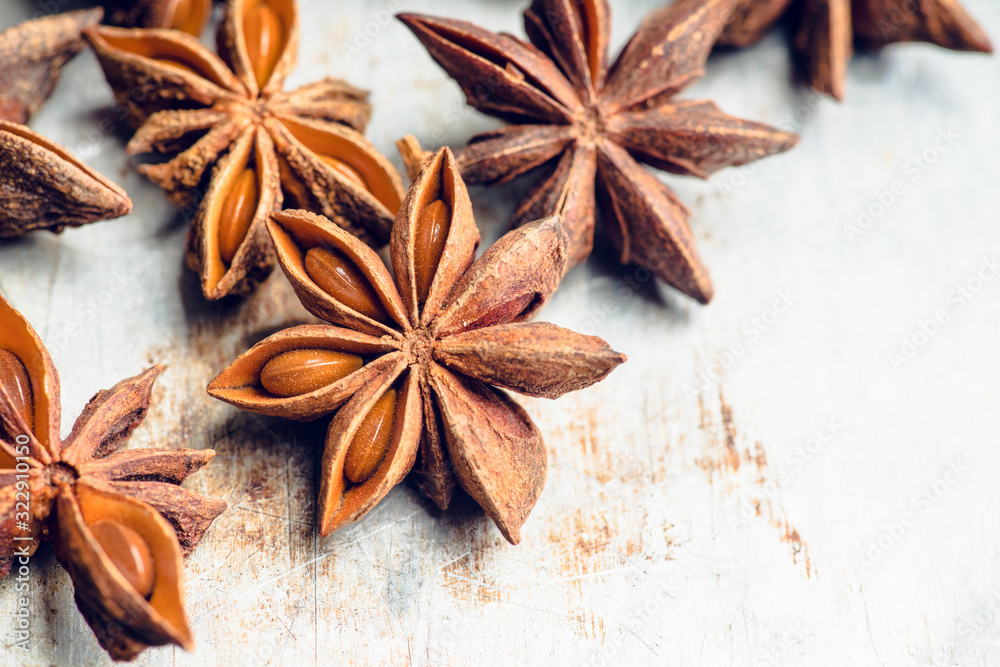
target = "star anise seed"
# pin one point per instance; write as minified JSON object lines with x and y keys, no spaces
{"x":587,"y":123}
{"x":189,"y":16}
{"x":423,"y":377}
{"x":120,"y":521}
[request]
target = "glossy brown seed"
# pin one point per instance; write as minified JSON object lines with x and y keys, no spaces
{"x":298,"y":372}
{"x":372,"y":440}
{"x":340,"y":278}
{"x":189,"y":16}
{"x":129,"y":553}
{"x":17,"y":385}
{"x":345,"y":170}
{"x":265,"y":38}
{"x":237,"y":214}
{"x":429,"y":236}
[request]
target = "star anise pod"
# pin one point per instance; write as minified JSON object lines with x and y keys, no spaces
{"x":416,"y":358}
{"x":42,"y":186}
{"x":32,"y":55}
{"x":828,"y":29}
{"x":189,"y":16}
{"x":119,"y":519}
{"x":261,"y":144}
{"x":587,"y":122}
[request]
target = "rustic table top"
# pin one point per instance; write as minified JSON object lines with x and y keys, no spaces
{"x":801,"y":473}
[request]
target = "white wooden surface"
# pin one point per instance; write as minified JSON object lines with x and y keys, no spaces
{"x":796,"y":503}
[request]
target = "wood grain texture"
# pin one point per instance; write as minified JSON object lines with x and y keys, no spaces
{"x":720,"y":499}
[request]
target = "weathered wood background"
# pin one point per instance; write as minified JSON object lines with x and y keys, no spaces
{"x":753,"y":487}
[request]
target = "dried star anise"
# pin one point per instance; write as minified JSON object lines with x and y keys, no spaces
{"x":265,"y":145}
{"x":828,"y":29}
{"x":589,"y":122}
{"x":119,"y":519}
{"x":32,"y":55}
{"x":416,"y":360}
{"x":42,"y":186}
{"x":189,"y":16}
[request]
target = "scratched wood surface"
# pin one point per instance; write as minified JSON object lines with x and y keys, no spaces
{"x":763,"y":483}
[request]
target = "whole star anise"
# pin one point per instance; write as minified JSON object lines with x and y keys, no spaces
{"x":42,"y":185}
{"x":416,"y":358}
{"x":260,"y":144}
{"x":119,"y":519}
{"x":587,"y":122}
{"x":190,"y":16}
{"x":828,"y":29}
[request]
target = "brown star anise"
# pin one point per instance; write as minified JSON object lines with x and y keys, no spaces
{"x":42,"y":186}
{"x":190,"y":16}
{"x":588,"y":122}
{"x":828,"y":28}
{"x":32,"y":55}
{"x":416,"y":358}
{"x":265,"y":144}
{"x":119,"y":519}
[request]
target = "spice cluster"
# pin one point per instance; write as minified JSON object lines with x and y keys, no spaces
{"x":409,"y":364}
